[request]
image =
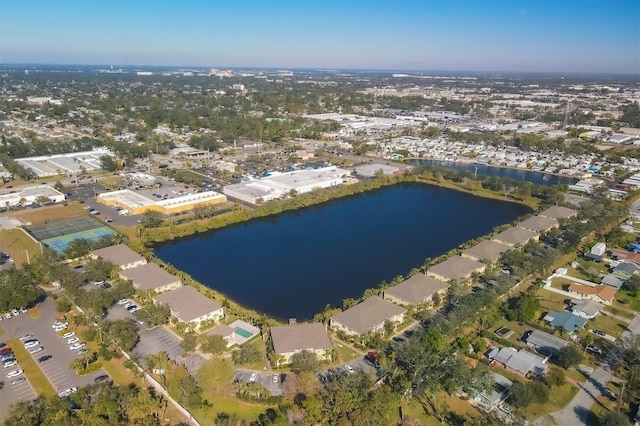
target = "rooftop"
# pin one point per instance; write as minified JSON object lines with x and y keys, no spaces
{"x":187,"y":303}
{"x":366,"y":315}
{"x":488,"y":250}
{"x":299,"y":337}
{"x":538,"y":223}
{"x":119,"y":255}
{"x":545,"y":342}
{"x":605,"y":292}
{"x":558,"y":212}
{"x":515,"y":236}
{"x":417,"y":288}
{"x":565,"y":320}
{"x":149,"y":276}
{"x":456,"y":267}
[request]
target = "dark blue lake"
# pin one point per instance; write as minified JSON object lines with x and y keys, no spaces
{"x":293,"y":264}
{"x":537,"y":178}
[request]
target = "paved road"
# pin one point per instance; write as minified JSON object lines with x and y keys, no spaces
{"x":577,"y":411}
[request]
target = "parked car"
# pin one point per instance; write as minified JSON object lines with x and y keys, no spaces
{"x":18,"y":380}
{"x":36,"y":350}
{"x":5,"y":350}
{"x":26,"y":337}
{"x":504,"y":409}
{"x":31,"y":344}
{"x":82,"y":351}
{"x":101,"y":379}
{"x":131,"y":308}
{"x":8,"y":364}
{"x":14,"y":373}
{"x":123,"y":301}
{"x":45,"y":358}
{"x":67,"y":392}
{"x":253,"y":377}
{"x":68,"y":335}
{"x":276,"y":378}
{"x":599,"y":332}
{"x":349,"y":369}
{"x":76,"y":346}
{"x":7,"y":358}
{"x":72,"y":341}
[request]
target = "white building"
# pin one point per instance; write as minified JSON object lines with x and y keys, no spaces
{"x":599,"y":249}
{"x":277,"y":186}
{"x":30,"y":196}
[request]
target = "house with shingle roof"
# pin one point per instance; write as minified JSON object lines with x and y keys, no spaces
{"x":456,"y":268}
{"x":538,"y":224}
{"x":120,"y":255}
{"x":291,"y":339}
{"x":369,"y":315}
{"x":415,"y":290}
{"x":558,"y":213}
{"x":487,"y":250}
{"x":515,"y":236}
{"x":600,"y":293}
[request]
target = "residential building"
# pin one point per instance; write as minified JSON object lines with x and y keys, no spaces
{"x":515,"y":236}
{"x":538,"y":224}
{"x":487,"y":250}
{"x":456,"y":268}
{"x":569,"y":322}
{"x":291,"y":339}
{"x":600,"y":293}
{"x":612,"y":280}
{"x":520,"y":362}
{"x":586,"y":309}
{"x":558,"y":213}
{"x":151,"y":277}
{"x":189,"y":305}
{"x":625,"y":270}
{"x":369,"y":315}
{"x":416,"y":290}
{"x":545,"y":343}
{"x":498,"y":393}
{"x":120,"y":255}
{"x":599,"y":249}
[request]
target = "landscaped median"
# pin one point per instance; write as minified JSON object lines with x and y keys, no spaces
{"x":36,"y":377}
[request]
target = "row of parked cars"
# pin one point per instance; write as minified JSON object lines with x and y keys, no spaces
{"x":13,"y":313}
{"x":128,"y":305}
{"x":8,"y":360}
{"x":72,"y":340}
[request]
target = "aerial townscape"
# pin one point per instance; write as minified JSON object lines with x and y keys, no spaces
{"x":320,"y":228}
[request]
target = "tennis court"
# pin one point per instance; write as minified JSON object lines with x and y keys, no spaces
{"x":57,"y":235}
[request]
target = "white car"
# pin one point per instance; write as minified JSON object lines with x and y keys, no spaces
{"x":31,"y":344}
{"x":60,"y":325}
{"x":76,"y":346}
{"x":349,"y":369}
{"x":10,"y":364}
{"x":26,"y":337}
{"x":67,"y":392}
{"x":35,"y":350}
{"x":68,"y":335}
{"x":253,"y":377}
{"x":127,"y":304}
{"x":122,"y":301}
{"x":134,"y":308}
{"x":72,"y":341}
{"x":14,"y":373}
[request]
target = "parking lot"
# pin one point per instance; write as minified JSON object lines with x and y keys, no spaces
{"x":56,"y":369}
{"x":265,"y":379}
{"x":11,"y":394}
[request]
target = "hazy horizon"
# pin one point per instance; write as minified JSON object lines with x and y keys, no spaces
{"x":584,"y":37}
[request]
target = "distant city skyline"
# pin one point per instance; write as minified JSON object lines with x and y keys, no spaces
{"x":590,"y":36}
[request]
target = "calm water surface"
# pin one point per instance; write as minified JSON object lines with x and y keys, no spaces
{"x":293,"y":264}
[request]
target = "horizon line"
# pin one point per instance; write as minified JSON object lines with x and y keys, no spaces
{"x":326,"y":69}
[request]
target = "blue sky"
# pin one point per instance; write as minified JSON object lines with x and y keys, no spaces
{"x":483,"y":35}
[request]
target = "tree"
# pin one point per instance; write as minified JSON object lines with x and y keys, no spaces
{"x":59,"y":186}
{"x":108,"y":163}
{"x":524,"y":394}
{"x":155,"y":314}
{"x":625,"y":360}
{"x":182,"y":386}
{"x":388,"y":328}
{"x":63,"y":305}
{"x":569,"y":356}
{"x":523,"y":307}
{"x":189,"y":342}
{"x":614,"y":418}
{"x":555,"y":377}
{"x":151,"y":219}
{"x":304,"y":361}
{"x":247,"y":354}
{"x":123,"y":332}
{"x":216,"y":375}
{"x":98,"y":269}
{"x":213,"y":344}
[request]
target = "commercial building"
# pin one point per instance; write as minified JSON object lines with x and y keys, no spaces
{"x":151,"y":277}
{"x":487,"y":250}
{"x":120,"y":255}
{"x":291,"y":339}
{"x":456,"y":268}
{"x":28,"y":196}
{"x":279,"y":185}
{"x":70,"y":164}
{"x":515,"y":236}
{"x":367,"y":316}
{"x":137,"y":203}
{"x":190,"y":306}
{"x":419,"y":289}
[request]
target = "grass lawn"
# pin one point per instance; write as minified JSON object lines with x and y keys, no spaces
{"x":610,"y":325}
{"x":626,"y":299}
{"x":34,"y":312}
{"x":550,"y":301}
{"x":619,"y":312}
{"x":38,"y":380}
{"x":459,"y":407}
{"x":50,"y":213}
{"x":259,"y":345}
{"x":558,"y":398}
{"x":230,"y":405}
{"x":344,"y":352}
{"x":1,"y":331}
{"x":120,"y":375}
{"x":15,"y":241}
